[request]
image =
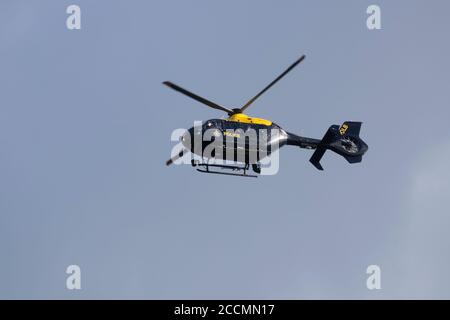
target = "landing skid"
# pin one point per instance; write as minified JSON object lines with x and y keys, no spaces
{"x":205,"y":168}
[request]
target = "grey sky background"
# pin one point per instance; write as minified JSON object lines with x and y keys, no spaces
{"x":85,"y":129}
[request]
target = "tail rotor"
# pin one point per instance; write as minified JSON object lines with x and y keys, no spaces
{"x":344,"y":140}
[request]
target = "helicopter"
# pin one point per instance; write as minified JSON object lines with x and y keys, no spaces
{"x":343,"y":140}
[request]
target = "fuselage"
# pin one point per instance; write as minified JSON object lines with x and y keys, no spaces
{"x":241,"y":138}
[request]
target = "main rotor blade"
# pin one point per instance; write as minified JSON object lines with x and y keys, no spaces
{"x":292,"y":66}
{"x":176,"y":157}
{"x":196,"y":97}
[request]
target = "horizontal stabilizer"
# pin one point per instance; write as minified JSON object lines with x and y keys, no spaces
{"x":320,"y":150}
{"x":316,"y":157}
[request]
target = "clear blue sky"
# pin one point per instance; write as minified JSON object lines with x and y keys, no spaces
{"x":85,"y":129}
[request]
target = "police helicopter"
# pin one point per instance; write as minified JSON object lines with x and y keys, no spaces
{"x":343,"y":139}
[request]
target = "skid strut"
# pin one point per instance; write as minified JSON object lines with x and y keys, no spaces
{"x":206,"y":168}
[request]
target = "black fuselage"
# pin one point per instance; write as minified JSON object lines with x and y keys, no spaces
{"x":240,"y":141}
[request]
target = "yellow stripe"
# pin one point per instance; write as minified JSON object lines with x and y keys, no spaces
{"x":240,"y":117}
